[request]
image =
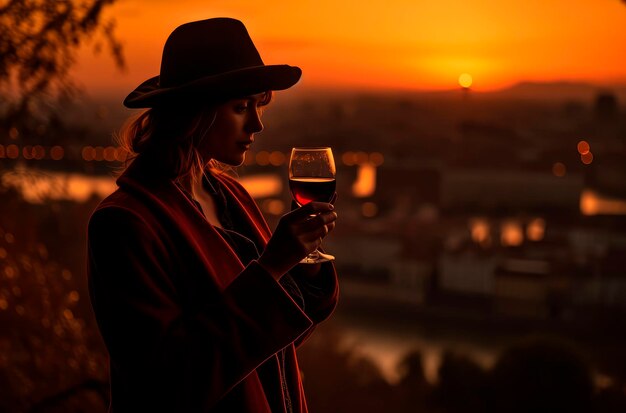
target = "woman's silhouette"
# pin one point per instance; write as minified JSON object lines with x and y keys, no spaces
{"x":199,"y":304}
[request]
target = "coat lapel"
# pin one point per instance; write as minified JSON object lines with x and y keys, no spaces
{"x":248,"y":213}
{"x":168,"y":202}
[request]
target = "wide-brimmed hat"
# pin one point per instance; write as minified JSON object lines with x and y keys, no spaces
{"x":210,"y":60}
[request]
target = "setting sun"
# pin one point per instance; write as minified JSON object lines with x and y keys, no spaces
{"x":465,"y":81}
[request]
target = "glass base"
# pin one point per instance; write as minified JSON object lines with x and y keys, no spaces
{"x":317,"y":257}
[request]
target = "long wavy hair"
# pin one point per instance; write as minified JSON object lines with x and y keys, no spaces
{"x":172,"y":134}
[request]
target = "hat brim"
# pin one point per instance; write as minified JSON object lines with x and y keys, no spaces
{"x":233,"y":84}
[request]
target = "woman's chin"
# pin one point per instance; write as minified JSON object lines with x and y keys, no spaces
{"x":234,"y":161}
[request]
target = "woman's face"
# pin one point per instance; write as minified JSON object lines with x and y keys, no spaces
{"x":232,"y":133}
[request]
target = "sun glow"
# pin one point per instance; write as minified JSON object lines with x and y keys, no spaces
{"x":415,"y":45}
{"x":465,"y":80}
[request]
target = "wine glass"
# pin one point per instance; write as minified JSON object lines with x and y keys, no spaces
{"x":312,"y":178}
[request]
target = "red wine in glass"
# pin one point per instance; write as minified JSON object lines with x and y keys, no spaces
{"x":312,"y":178}
{"x":305,"y":190}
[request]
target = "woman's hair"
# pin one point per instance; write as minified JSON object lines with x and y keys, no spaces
{"x":172,"y":134}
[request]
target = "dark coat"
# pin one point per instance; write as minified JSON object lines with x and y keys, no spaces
{"x":187,"y":326}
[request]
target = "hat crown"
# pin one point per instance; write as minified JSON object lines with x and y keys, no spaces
{"x":210,"y":60}
{"x":206,"y":48}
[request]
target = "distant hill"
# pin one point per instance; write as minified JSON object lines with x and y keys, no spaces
{"x":557,"y":91}
{"x":528,"y":91}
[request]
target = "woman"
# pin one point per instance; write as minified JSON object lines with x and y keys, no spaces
{"x":199,"y":305}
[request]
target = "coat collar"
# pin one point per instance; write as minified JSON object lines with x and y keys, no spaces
{"x":148,"y":181}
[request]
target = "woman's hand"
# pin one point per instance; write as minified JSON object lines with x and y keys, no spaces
{"x":298,"y":233}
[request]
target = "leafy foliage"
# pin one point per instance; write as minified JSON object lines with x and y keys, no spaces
{"x":51,"y":354}
{"x":39,"y":40}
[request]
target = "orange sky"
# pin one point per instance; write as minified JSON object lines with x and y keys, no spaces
{"x":397,"y":44}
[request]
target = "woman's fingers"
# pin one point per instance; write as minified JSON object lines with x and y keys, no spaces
{"x":312,"y":221}
{"x":304,"y":213}
{"x":330,"y":226}
{"x":298,"y":233}
{"x":317,"y":221}
{"x":315,"y":234}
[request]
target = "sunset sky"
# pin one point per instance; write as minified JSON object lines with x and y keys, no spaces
{"x":388,"y":44}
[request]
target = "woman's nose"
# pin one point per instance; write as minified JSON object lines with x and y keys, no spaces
{"x":254,"y":122}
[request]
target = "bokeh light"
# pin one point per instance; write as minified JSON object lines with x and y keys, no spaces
{"x":369,"y":209}
{"x":121,"y":154}
{"x":27,"y":152}
{"x":586,"y":158}
{"x":583,"y":147}
{"x":88,"y":153}
{"x":57,"y":153}
{"x":535,"y":231}
{"x":362,"y":157}
{"x":511,"y":234}
{"x":277,"y":158}
{"x":99,"y":153}
{"x":559,"y":169}
{"x":12,"y":151}
{"x":349,"y":158}
{"x":377,"y":158}
{"x":39,"y":152}
{"x":249,"y":158}
{"x":263,"y":158}
{"x":109,"y":154}
{"x":68,"y":314}
{"x":73,"y":296}
{"x":14,"y":133}
{"x":481,"y":231}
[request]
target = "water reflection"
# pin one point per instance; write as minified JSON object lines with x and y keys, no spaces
{"x":593,"y":203}
{"x":37,"y":186}
{"x":365,"y":184}
{"x":387,"y":348}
